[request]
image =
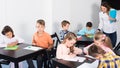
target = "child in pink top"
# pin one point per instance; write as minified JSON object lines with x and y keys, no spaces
{"x":102,"y":41}
{"x":67,"y":49}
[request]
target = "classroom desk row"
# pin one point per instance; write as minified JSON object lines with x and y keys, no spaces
{"x":23,"y":52}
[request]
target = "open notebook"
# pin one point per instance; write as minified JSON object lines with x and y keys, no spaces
{"x":34,"y":48}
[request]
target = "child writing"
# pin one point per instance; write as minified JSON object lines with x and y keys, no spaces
{"x":87,"y":31}
{"x":102,"y":41}
{"x":8,"y":39}
{"x":66,"y":49}
{"x":42,"y":39}
{"x":65,"y":26}
{"x":106,"y":60}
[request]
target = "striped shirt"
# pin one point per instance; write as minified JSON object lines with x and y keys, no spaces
{"x":109,"y":61}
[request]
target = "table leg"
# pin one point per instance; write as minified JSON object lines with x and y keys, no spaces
{"x":16,"y":65}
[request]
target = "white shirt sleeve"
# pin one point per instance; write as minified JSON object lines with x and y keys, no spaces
{"x":20,"y":40}
{"x":100,"y":21}
{"x":2,"y":42}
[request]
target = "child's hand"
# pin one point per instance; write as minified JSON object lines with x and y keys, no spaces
{"x":12,"y":44}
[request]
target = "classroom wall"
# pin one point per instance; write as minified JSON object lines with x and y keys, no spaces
{"x":78,"y":12}
{"x":21,"y":15}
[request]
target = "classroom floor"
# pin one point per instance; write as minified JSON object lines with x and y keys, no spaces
{"x":25,"y":65}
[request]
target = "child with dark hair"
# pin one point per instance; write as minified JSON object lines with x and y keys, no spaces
{"x":106,"y":60}
{"x":9,"y":39}
{"x":88,"y":30}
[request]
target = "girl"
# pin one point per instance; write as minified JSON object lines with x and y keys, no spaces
{"x":8,"y":39}
{"x":102,"y":41}
{"x":67,"y":49}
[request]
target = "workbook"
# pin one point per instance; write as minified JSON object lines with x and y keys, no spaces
{"x":11,"y":47}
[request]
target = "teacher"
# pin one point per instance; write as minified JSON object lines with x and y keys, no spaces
{"x":107,"y":23}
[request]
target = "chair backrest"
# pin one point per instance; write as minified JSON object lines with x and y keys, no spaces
{"x":117,"y":49}
{"x":56,"y":39}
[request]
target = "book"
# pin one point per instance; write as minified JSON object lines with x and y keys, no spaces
{"x":11,"y":48}
{"x":112,"y":14}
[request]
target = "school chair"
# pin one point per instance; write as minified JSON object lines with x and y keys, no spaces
{"x":52,"y":53}
{"x":117,"y":49}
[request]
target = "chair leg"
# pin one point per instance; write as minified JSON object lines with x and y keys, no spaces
{"x":0,"y":66}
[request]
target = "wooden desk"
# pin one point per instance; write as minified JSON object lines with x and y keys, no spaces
{"x":83,"y":40}
{"x":70,"y":64}
{"x":19,"y":55}
{"x":65,"y":64}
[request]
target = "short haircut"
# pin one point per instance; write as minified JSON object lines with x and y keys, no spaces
{"x":7,"y":29}
{"x":89,"y":24}
{"x":64,"y":23}
{"x":95,"y":50}
{"x":41,"y":22}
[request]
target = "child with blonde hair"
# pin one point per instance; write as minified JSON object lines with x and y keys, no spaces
{"x":102,"y":41}
{"x":66,"y":49}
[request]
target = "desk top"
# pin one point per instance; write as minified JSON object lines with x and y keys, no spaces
{"x":18,"y":54}
{"x":74,"y":64}
{"x":84,"y":38}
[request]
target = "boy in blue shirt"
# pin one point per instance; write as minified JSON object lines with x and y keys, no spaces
{"x":87,"y":31}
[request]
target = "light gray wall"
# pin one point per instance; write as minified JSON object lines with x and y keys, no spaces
{"x":78,"y":12}
{"x":21,"y":15}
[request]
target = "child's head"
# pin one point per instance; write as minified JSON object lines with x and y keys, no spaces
{"x":65,"y":24}
{"x":96,"y":51}
{"x":8,"y":32}
{"x":102,"y":39}
{"x":70,"y":39}
{"x":89,"y":25}
{"x":40,"y":25}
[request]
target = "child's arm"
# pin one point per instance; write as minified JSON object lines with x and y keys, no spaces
{"x":77,"y":50}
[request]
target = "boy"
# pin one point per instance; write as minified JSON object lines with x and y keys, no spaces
{"x":106,"y":60}
{"x":65,"y":26}
{"x":42,"y":39}
{"x":88,"y":30}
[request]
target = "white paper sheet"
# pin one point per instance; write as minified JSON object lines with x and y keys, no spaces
{"x":89,"y":65}
{"x":34,"y":48}
{"x":78,"y":59}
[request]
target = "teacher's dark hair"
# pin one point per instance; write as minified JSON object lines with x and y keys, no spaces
{"x":105,"y":4}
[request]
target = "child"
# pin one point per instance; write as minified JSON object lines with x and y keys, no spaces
{"x":65,"y":26}
{"x":102,"y":41}
{"x":88,"y":30}
{"x":8,"y":39}
{"x":66,"y":49}
{"x":42,"y":39}
{"x":106,"y":60}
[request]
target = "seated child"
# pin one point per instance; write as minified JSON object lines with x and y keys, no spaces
{"x":66,"y":49}
{"x":65,"y":26}
{"x":9,"y":39}
{"x":102,"y":41}
{"x":106,"y":60}
{"x":88,"y":30}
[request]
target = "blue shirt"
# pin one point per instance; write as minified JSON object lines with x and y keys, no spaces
{"x":63,"y":33}
{"x":84,"y":31}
